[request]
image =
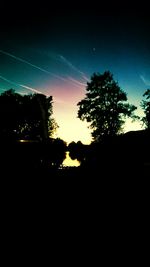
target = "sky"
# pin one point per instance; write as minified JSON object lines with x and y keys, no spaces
{"x":55,"y":52}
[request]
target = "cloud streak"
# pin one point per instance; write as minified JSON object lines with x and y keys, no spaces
{"x":32,"y":65}
{"x":70,"y":65}
{"x":145,"y":81}
{"x":62,"y":59}
{"x":21,"y":85}
{"x":9,"y":81}
{"x":24,"y":61}
{"x":74,"y":82}
{"x":31,"y":89}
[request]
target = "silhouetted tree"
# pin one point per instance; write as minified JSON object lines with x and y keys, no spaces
{"x":26,"y":117}
{"x":59,"y":152}
{"x":77,"y":151}
{"x":37,"y":117}
{"x":146,"y":107}
{"x":72,"y":147}
{"x":10,"y":103}
{"x":104,"y":106}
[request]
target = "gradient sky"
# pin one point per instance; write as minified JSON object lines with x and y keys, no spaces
{"x":55,"y":53}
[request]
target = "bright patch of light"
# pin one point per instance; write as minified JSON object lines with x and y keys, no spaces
{"x":132,"y":126}
{"x":69,"y":162}
{"x":73,"y":130}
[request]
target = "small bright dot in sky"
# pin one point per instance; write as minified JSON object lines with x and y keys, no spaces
{"x":56,"y":54}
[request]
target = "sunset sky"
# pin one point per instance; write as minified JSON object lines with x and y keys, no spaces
{"x":55,"y":53}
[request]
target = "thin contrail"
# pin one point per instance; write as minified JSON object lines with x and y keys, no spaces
{"x":31,"y":65}
{"x":62,"y":59}
{"x":20,"y":85}
{"x":9,"y":81}
{"x":76,"y":81}
{"x":145,"y":81}
{"x":24,"y":61}
{"x":85,"y":78}
{"x":31,"y":89}
{"x":59,"y":101}
{"x":68,"y":63}
{"x":45,"y":71}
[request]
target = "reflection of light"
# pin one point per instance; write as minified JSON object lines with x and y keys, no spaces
{"x":69,"y":162}
{"x":22,"y":141}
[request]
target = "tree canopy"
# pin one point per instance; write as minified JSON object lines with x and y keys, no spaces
{"x":26,"y":117}
{"x":146,"y":107}
{"x":105,"y":106}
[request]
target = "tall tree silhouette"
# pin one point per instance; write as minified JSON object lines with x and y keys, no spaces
{"x":10,"y":115}
{"x":146,"y":107}
{"x":26,"y":117}
{"x":104,"y":106}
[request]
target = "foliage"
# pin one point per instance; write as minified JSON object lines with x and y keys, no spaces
{"x":58,"y":152}
{"x":146,"y":107}
{"x":104,"y":106}
{"x":77,"y":151}
{"x":26,"y":117}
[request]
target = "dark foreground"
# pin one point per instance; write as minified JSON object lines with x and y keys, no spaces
{"x":106,"y":201}
{"x":74,"y":205}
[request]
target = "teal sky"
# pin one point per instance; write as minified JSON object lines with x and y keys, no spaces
{"x":55,"y":53}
